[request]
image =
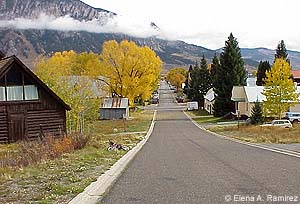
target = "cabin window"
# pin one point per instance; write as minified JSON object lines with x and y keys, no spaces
{"x":14,"y":93}
{"x":31,"y":92}
{"x":16,"y":86}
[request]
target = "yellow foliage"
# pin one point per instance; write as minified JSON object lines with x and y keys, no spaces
{"x":279,"y":89}
{"x":129,"y":70}
{"x":177,"y":76}
{"x":66,"y":73}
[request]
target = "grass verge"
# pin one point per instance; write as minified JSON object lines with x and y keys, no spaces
{"x":201,"y":116}
{"x":257,"y":134}
{"x":61,"y":179}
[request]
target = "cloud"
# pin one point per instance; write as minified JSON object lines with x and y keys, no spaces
{"x":210,"y":33}
{"x":117,"y":24}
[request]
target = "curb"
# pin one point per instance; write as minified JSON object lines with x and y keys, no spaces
{"x":259,"y":146}
{"x":93,"y":193}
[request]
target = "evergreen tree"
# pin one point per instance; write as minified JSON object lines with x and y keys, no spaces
{"x":281,"y":52}
{"x":256,"y":114}
{"x":261,"y":72}
{"x":204,"y":82}
{"x":193,"y":93}
{"x":214,"y":66}
{"x":188,"y":81}
{"x":230,"y":73}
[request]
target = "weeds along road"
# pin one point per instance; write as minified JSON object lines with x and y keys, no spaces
{"x":182,"y":164}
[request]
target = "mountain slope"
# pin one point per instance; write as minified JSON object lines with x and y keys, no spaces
{"x":11,"y":9}
{"x":258,"y":54}
{"x":30,"y":43}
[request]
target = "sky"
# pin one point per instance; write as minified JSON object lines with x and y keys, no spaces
{"x":208,"y":23}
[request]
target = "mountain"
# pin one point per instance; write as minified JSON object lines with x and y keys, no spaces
{"x":258,"y":54}
{"x":30,"y":43}
{"x":12,"y":9}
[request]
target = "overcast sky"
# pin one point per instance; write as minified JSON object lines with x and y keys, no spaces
{"x":255,"y":23}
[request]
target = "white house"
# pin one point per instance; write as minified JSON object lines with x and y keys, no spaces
{"x":209,"y":100}
{"x":245,"y":97}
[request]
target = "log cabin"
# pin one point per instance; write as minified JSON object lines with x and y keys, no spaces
{"x":28,"y":107}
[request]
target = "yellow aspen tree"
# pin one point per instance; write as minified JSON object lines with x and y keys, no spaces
{"x":129,"y":70}
{"x":177,"y":76}
{"x":279,"y":89}
{"x":67,"y":74}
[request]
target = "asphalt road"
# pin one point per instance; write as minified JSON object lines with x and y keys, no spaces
{"x":182,"y":164}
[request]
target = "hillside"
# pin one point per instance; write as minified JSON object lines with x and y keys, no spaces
{"x":257,"y":54}
{"x":30,"y":43}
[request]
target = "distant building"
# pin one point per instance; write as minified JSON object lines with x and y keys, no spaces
{"x":209,"y":100}
{"x":114,"y":108}
{"x":296,"y":76}
{"x":96,"y":87}
{"x":251,"y":81}
{"x":27,"y":106}
{"x":245,"y":97}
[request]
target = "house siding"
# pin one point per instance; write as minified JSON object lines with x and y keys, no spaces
{"x":25,"y":119}
{"x":112,"y":113}
{"x":51,"y":122}
{"x":295,"y":108}
{"x":3,"y":125}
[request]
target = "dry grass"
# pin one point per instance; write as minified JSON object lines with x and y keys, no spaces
{"x":58,"y":180}
{"x":138,"y":121}
{"x":259,"y":134}
{"x":22,"y":154}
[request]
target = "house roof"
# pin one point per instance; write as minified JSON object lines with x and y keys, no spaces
{"x":92,"y":84}
{"x":296,"y":73}
{"x":254,"y":93}
{"x":238,"y":94}
{"x":5,"y":65}
{"x":251,"y":81}
{"x":115,"y":103}
{"x":210,"y":95}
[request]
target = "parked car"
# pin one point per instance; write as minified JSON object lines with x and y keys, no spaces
{"x":180,"y":98}
{"x":192,"y":105}
{"x":155,"y":99}
{"x":279,"y":123}
{"x":294,"y":117}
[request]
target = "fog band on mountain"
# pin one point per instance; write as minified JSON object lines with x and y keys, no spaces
{"x":117,"y":24}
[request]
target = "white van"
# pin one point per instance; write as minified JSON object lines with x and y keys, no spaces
{"x":294,"y":117}
{"x":192,"y":105}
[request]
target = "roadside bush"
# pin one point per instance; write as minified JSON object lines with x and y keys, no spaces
{"x":79,"y":140}
{"x":29,"y":153}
